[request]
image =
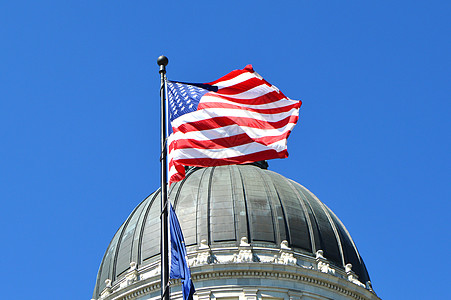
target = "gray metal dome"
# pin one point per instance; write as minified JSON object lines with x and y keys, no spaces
{"x":223,"y":204}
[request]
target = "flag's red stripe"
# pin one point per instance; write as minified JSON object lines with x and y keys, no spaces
{"x":180,"y":172}
{"x":225,"y":142}
{"x":242,"y":159}
{"x":233,"y":74}
{"x":242,"y":86}
{"x":263,"y":99}
{"x":218,"y":122}
{"x":206,"y":105}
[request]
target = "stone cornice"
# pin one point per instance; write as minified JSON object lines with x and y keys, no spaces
{"x":248,"y":270}
{"x":244,"y":261}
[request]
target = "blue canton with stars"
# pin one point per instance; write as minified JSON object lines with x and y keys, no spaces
{"x":184,"y":98}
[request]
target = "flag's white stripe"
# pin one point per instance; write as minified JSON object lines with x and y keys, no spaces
{"x":252,"y":93}
{"x":209,"y":113}
{"x":212,"y":98}
{"x":236,"y":80}
{"x":240,"y":150}
{"x":231,"y":130}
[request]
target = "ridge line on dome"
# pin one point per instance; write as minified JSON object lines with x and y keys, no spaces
{"x":315,"y":220}
{"x":282,"y":206}
{"x":275,"y":224}
{"x":199,"y":207}
{"x":209,"y":206}
{"x":141,"y":232}
{"x":347,"y":232}
{"x":248,"y":229}
{"x":234,"y":203}
{"x":334,"y":228}
{"x":118,"y":244}
{"x":137,"y":231}
{"x":306,"y":214}
{"x":99,"y":272}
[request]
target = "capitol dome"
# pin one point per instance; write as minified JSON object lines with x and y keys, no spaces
{"x":244,"y":226}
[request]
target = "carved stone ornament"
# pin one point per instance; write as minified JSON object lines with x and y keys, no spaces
{"x":204,"y":255}
{"x":107,"y":291}
{"x":322,"y":263}
{"x":286,"y":255}
{"x":352,"y":277}
{"x":132,"y":274}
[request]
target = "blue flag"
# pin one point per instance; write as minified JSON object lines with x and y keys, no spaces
{"x":178,"y":260}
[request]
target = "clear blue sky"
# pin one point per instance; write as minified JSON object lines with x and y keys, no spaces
{"x":79,"y":124}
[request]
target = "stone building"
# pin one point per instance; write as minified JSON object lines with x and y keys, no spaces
{"x":251,"y":234}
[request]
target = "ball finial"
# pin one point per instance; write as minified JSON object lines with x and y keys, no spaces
{"x":162,"y":60}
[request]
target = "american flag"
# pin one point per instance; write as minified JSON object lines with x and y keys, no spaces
{"x":239,"y":118}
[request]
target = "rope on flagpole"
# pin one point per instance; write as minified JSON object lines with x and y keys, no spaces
{"x":164,"y":209}
{"x":163,"y":152}
{"x":166,"y":289}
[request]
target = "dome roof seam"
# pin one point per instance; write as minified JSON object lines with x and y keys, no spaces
{"x":143,"y":225}
{"x":115,"y":247}
{"x":100,"y":272}
{"x":301,"y":199}
{"x":276,"y":229}
{"x":234,"y":208}
{"x":135,"y":230}
{"x":347,"y":232}
{"x":314,"y":218}
{"x":335,"y":230}
{"x":285,"y":217}
{"x":248,"y":229}
{"x":209,"y":241}
{"x":200,"y":205}
{"x":116,"y":252}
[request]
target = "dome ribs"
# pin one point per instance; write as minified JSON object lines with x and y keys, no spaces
{"x":152,"y":198}
{"x":124,"y":245}
{"x":185,"y":205}
{"x":297,"y":218}
{"x":318,"y":242}
{"x":239,"y":208}
{"x":283,"y":215}
{"x":222,"y":216}
{"x":350,"y":251}
{"x":261,"y":218}
{"x":130,"y":240}
{"x":151,"y":230}
{"x":105,"y":271}
{"x":278,"y":216}
{"x":336,"y":257}
{"x":246,"y":209}
{"x":203,"y":217}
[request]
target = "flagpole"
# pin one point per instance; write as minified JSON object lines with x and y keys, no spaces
{"x":162,"y":61}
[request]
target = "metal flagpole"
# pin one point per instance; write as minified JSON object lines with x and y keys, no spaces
{"x":164,"y":243}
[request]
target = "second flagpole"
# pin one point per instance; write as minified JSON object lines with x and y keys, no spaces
{"x":162,"y":61}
